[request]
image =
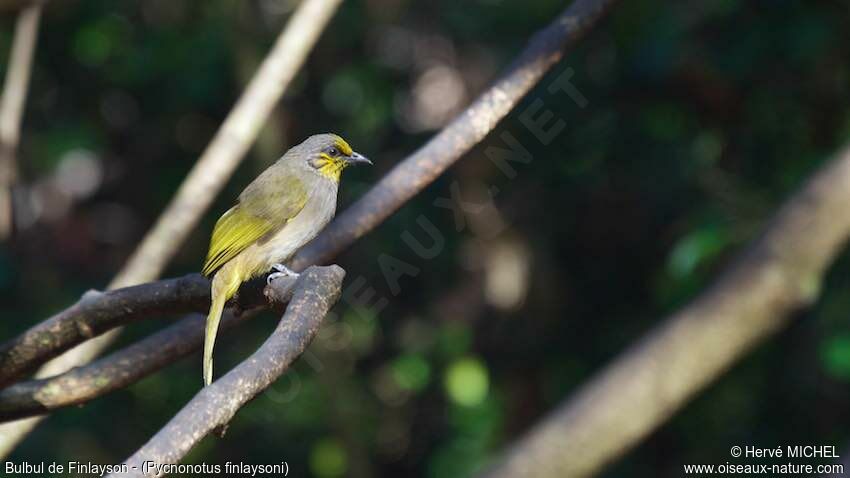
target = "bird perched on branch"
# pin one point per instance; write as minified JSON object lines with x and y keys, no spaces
{"x":280,"y":211}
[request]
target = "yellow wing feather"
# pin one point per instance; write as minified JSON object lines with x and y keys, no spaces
{"x":233,"y":232}
{"x":261,"y":210}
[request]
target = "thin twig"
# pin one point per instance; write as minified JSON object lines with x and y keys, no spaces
{"x":12,"y":108}
{"x":205,"y":180}
{"x":315,"y":292}
{"x":778,"y":274}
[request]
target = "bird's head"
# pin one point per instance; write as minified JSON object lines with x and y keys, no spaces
{"x":328,"y":155}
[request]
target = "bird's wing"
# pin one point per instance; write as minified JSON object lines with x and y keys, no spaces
{"x":262,"y":209}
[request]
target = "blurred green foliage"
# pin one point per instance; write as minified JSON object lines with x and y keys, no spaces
{"x":701,"y":117}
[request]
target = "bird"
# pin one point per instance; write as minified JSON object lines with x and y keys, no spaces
{"x":284,"y":208}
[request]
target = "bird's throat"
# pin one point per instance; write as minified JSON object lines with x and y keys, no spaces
{"x":332,"y":169}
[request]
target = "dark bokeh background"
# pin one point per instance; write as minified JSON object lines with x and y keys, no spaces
{"x":701,"y":117}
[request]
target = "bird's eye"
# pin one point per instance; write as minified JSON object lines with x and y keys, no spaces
{"x":332,"y":151}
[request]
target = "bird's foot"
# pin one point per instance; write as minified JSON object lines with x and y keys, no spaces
{"x":282,"y":271}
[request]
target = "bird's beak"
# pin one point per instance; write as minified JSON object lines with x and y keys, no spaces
{"x":357,"y":158}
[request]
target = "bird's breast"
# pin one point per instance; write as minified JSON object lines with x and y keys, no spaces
{"x":301,"y":229}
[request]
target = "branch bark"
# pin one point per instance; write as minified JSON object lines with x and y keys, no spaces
{"x":779,"y":273}
{"x":316,"y":290}
{"x":12,"y":108}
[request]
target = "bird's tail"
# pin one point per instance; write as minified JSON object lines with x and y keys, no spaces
{"x":222,"y":290}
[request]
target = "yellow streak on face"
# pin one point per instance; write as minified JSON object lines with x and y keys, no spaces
{"x":331,"y":168}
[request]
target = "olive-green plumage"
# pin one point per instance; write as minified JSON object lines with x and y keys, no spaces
{"x":280,"y":211}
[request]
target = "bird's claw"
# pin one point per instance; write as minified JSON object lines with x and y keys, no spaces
{"x":282,"y":271}
{"x":273,"y":276}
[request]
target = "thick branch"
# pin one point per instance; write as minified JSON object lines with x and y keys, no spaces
{"x":315,"y":292}
{"x":129,"y":365}
{"x":778,"y":274}
{"x":420,"y":169}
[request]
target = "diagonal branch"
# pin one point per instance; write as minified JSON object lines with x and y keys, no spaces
{"x":315,"y":293}
{"x":779,"y":273}
{"x":12,"y":108}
